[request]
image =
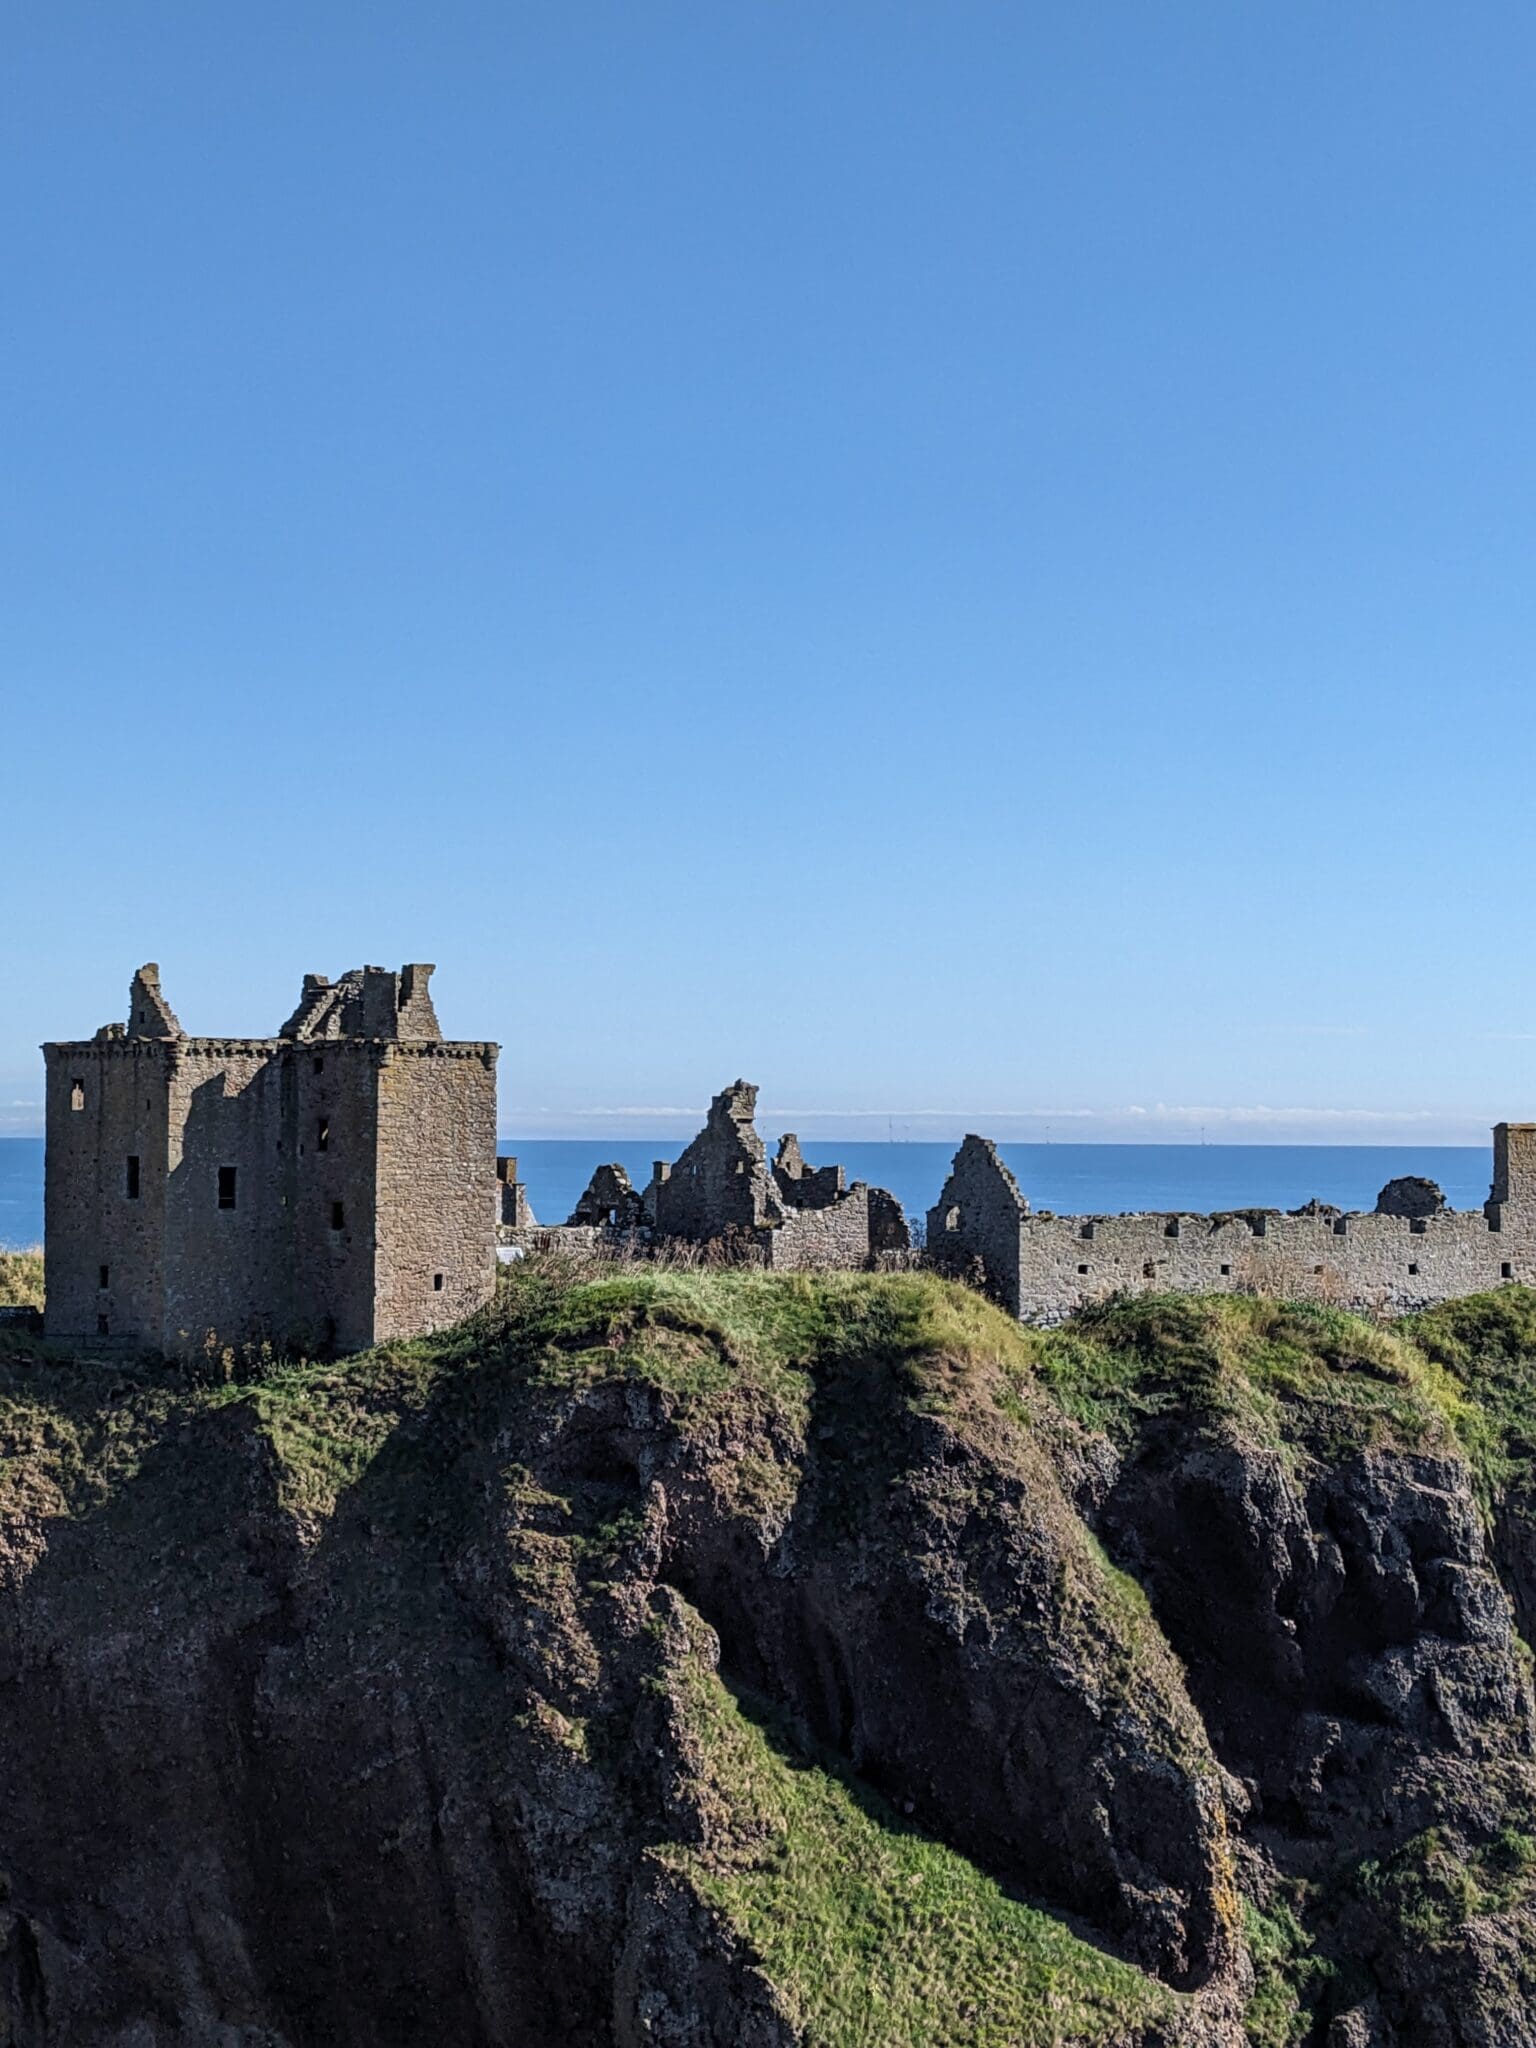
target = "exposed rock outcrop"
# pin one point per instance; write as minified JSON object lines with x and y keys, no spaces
{"x":709,"y":1658}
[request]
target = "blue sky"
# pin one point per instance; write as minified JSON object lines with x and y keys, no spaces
{"x":967,"y":562}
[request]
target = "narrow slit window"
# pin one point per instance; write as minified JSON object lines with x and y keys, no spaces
{"x":338,"y":1216}
{"x":131,"y":1177}
{"x":319,"y":1066}
{"x":103,"y":1327}
{"x":437,"y":1283}
{"x":1506,"y":1271}
{"x":227,"y":1185}
{"x":105,"y":1276}
{"x":323,"y":1135}
{"x":77,"y":1094}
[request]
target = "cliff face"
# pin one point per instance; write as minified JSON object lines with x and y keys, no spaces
{"x":718,"y":1658}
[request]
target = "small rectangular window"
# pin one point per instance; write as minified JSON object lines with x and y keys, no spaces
{"x":1412,"y":1268}
{"x":1225,"y":1271}
{"x":323,"y":1134}
{"x":319,"y":1066}
{"x":103,"y":1327}
{"x":1082,"y":1269}
{"x":77,"y":1094}
{"x":131,"y":1178}
{"x":226,"y":1187}
{"x":338,"y":1216}
{"x":1149,"y":1270}
{"x":1506,"y":1271}
{"x":437,"y":1283}
{"x":106,"y":1275}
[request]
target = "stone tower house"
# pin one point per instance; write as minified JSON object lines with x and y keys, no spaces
{"x":324,"y":1189}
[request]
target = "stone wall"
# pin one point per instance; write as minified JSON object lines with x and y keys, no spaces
{"x":801,"y":1186}
{"x":1044,"y":1267}
{"x":721,"y":1182}
{"x":513,"y":1208}
{"x":973,"y":1229}
{"x":319,"y":1189}
{"x":436,"y":1185}
{"x":610,"y":1200}
{"x":828,"y":1237}
{"x":106,"y":1104}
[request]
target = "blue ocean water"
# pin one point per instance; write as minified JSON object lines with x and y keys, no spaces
{"x":1072,"y":1179}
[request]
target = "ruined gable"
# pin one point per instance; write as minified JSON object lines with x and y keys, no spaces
{"x":610,"y":1201}
{"x":721,"y":1182}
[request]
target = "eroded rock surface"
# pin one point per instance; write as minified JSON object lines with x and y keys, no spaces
{"x":718,"y":1658}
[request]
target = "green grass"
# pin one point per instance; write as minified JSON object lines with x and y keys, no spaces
{"x":1306,"y":1380}
{"x":1486,"y":1343}
{"x":1288,"y":1977}
{"x":1433,"y":1885}
{"x":874,"y":1935}
{"x":21,"y":1279}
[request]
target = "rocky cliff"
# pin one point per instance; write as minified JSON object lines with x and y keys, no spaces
{"x":688,"y":1658}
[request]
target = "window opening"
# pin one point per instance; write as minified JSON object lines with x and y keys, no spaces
{"x":226,"y":1187}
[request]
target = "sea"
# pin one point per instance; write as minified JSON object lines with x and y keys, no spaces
{"x":1099,"y":1180}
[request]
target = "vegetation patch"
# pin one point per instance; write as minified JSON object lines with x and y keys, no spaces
{"x":1433,"y":1885}
{"x":1299,"y":1378}
{"x":1486,"y":1343}
{"x":873,"y":1934}
{"x":21,"y":1279}
{"x":1289,"y":1977}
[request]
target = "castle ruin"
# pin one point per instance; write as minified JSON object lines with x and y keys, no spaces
{"x":1411,"y":1252}
{"x":324,"y":1189}
{"x":722,"y":1191}
{"x":338,"y":1185}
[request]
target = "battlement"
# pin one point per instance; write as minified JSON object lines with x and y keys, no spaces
{"x":323,"y":1188}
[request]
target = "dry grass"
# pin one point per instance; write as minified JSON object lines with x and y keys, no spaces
{"x":21,"y":1279}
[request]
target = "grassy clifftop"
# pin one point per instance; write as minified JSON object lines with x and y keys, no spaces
{"x":826,"y":1599}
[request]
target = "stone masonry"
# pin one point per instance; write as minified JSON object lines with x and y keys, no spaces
{"x":1411,"y":1252}
{"x":321,"y":1190}
{"x":723,"y":1192}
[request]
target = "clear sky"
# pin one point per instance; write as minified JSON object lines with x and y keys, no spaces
{"x":964,"y":558}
